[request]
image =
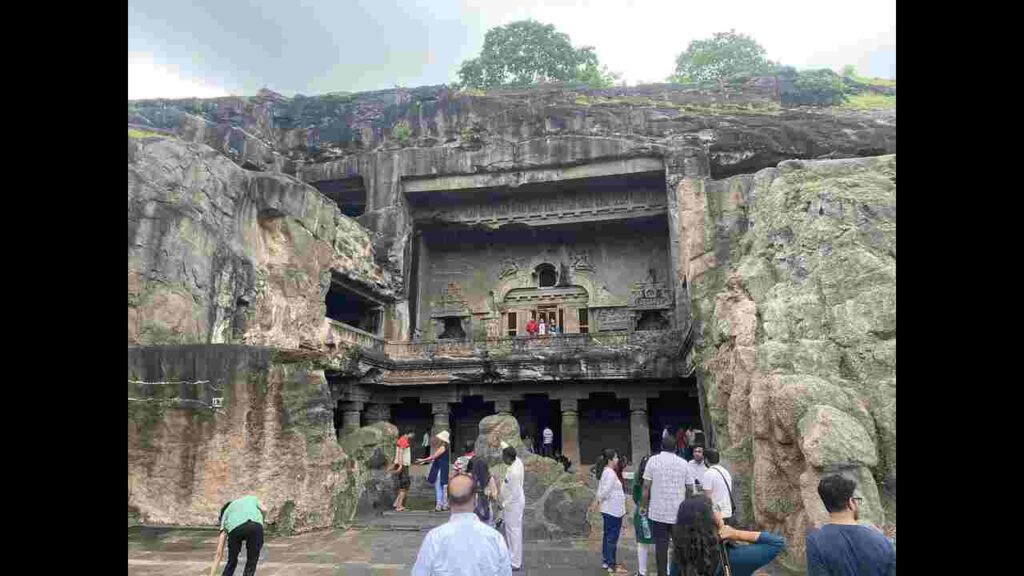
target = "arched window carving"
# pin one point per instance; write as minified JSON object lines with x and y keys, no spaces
{"x":547,"y":277}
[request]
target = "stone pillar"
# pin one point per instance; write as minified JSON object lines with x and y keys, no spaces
{"x":377,"y":413}
{"x":503,"y":406}
{"x":639,"y":429}
{"x":350,"y":414}
{"x":571,"y":430}
{"x":440,"y":412}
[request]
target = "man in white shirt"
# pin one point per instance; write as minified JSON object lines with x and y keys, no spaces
{"x":548,"y":448}
{"x":697,"y":465}
{"x":513,"y":504}
{"x":717,"y":484}
{"x":666,"y":479}
{"x":464,"y":546}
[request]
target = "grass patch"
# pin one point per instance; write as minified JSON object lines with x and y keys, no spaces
{"x":136,"y":133}
{"x":870,"y":101}
{"x":708,"y":109}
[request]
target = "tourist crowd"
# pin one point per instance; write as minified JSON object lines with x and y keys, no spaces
{"x":684,"y":509}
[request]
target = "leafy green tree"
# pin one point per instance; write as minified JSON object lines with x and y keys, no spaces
{"x":527,"y":52}
{"x":821,"y":87}
{"x":725,"y":55}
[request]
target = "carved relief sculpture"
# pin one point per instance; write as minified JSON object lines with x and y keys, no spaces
{"x":509,"y":267}
{"x":611,"y":319}
{"x":650,"y":294}
{"x":452,"y":303}
{"x":580,"y":261}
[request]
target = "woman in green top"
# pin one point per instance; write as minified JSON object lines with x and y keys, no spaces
{"x":240,"y":520}
{"x":643,"y":537}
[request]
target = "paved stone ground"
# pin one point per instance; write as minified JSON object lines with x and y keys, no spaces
{"x":361,"y":551}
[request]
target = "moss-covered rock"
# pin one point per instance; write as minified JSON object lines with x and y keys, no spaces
{"x":808,"y":291}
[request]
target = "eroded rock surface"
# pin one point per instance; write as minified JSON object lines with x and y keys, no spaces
{"x":557,"y":503}
{"x":218,"y":254}
{"x":273,"y":437}
{"x":792,"y":273}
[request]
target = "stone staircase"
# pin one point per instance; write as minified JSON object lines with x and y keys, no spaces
{"x":410,"y":520}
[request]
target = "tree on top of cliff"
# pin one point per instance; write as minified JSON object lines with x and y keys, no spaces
{"x":528,"y":52}
{"x":724,"y":55}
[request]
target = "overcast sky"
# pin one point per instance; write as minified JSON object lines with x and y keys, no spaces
{"x":209,"y":48}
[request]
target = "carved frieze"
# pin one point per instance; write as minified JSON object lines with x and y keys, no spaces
{"x":613,"y":319}
{"x":650,"y":294}
{"x":567,"y":205}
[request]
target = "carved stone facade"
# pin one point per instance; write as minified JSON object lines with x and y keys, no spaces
{"x":558,"y":207}
{"x":613,"y":319}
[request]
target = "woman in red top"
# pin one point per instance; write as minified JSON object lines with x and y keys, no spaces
{"x":531,"y":327}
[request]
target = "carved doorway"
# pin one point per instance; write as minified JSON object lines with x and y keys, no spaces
{"x":551,"y":315}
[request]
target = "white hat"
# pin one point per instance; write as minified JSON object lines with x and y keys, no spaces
{"x":443,"y":436}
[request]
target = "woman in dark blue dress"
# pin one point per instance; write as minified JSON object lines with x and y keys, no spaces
{"x":439,"y":470}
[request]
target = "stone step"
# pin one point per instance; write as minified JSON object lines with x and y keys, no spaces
{"x":402,"y":521}
{"x":416,"y":513}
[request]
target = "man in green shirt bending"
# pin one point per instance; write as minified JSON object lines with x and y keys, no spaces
{"x":240,"y":519}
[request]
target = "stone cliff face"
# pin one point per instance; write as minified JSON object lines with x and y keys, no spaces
{"x":273,"y":436}
{"x":382,"y":136}
{"x":792,"y":273}
{"x":218,"y":254}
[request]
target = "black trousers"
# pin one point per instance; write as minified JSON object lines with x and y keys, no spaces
{"x":252,"y":533}
{"x":661,"y":533}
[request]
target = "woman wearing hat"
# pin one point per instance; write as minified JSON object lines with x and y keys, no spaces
{"x":439,"y":470}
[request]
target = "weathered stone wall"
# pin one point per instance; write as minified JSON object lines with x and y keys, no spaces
{"x":792,"y":273}
{"x":273,"y":437}
{"x":218,"y":254}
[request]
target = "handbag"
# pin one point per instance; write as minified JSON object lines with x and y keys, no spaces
{"x":731,"y":520}
{"x":726,"y":568}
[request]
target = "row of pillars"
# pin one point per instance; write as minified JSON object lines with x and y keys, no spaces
{"x":639,"y":429}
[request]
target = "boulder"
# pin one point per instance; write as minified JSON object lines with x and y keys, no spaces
{"x":828,"y":437}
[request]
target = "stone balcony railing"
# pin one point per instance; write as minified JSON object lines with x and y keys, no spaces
{"x":341,"y":332}
{"x":525,"y":345}
{"x":501,"y":347}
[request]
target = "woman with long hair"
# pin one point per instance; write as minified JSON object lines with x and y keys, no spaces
{"x":701,"y":538}
{"x":438,"y":475}
{"x":613,"y":506}
{"x":642,"y":526}
{"x":486,"y":488}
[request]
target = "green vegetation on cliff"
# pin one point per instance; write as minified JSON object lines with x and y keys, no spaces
{"x":528,"y":52}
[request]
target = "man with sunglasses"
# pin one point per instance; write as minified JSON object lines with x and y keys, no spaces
{"x":843,"y":547}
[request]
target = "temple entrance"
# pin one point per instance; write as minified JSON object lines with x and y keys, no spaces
{"x":604,"y":423}
{"x":673,"y":409}
{"x":534,"y":412}
{"x":410,"y":413}
{"x":465,"y":421}
{"x":550,"y":315}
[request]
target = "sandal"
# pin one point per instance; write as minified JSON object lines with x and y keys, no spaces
{"x":400,"y":509}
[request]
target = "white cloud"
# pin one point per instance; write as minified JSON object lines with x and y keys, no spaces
{"x":149,"y":79}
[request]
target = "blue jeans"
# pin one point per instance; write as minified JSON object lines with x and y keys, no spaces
{"x":441,"y":493}
{"x":612,"y":527}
